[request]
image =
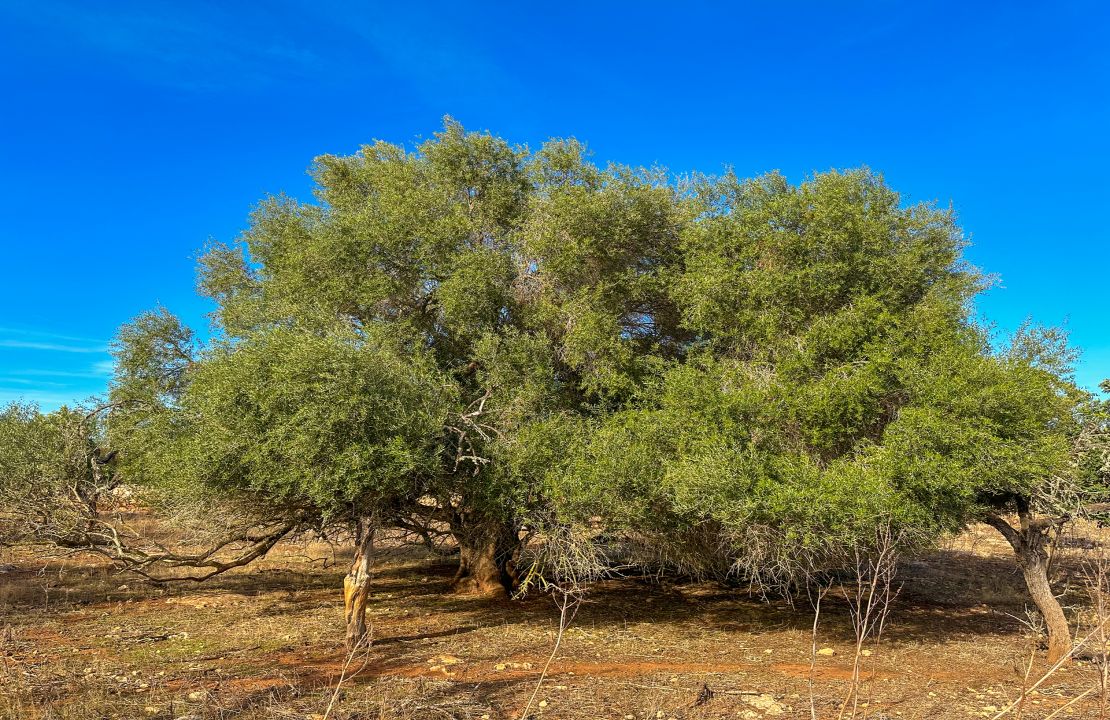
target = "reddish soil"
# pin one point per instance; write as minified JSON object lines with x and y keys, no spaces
{"x":80,"y":641}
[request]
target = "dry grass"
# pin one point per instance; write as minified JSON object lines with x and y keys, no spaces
{"x":78,"y":641}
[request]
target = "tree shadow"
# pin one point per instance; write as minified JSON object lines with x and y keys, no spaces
{"x":945,"y":595}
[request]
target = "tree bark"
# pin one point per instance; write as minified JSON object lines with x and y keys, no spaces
{"x":356,"y":586}
{"x":1034,"y":566}
{"x":488,"y":554}
{"x":1030,"y":544}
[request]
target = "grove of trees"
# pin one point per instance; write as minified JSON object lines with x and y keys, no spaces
{"x":541,"y":364}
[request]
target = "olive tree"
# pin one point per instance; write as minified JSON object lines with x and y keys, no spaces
{"x":384,"y":356}
{"x":805,"y":310}
{"x":833,"y":387}
{"x":528,"y":280}
{"x":54,"y":474}
{"x":476,"y":341}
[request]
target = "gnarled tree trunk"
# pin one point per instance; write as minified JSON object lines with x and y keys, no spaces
{"x":356,"y":586}
{"x":1034,"y":566}
{"x":488,"y":554}
{"x":1030,"y":543}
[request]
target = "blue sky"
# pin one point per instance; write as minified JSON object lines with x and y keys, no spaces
{"x":132,"y":132}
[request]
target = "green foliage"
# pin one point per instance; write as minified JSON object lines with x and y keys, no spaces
{"x":50,"y":478}
{"x":771,"y":258}
{"x":523,"y":290}
{"x":153,"y":354}
{"x":524,"y":338}
{"x":832,"y":384}
{"x":329,"y":422}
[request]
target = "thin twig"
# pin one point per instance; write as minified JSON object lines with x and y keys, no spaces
{"x":347,"y":664}
{"x":569,"y":598}
{"x":1051,"y":670}
{"x":1071,"y":702}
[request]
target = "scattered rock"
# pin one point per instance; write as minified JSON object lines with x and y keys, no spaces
{"x":443,"y":669}
{"x":826,"y":652}
{"x":766,"y":703}
{"x":197,"y":695}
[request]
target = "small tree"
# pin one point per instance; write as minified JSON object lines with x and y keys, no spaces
{"x":60,"y":485}
{"x":54,"y":474}
{"x":321,"y":429}
{"x":1071,"y":483}
{"x":994,"y":433}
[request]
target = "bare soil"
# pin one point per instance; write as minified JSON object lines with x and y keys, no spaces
{"x":78,"y":640}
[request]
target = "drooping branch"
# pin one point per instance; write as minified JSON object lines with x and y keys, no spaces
{"x":247,"y":544}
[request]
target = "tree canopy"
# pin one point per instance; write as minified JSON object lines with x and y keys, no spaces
{"x":477,"y":341}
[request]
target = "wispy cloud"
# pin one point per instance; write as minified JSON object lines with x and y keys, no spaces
{"x":47,"y":334}
{"x":47,"y":400}
{"x":45,"y":340}
{"x":38,"y":372}
{"x":27,"y":381}
{"x":51,"y":369}
{"x":51,"y":347}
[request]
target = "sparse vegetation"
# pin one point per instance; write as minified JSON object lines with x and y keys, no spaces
{"x":264,"y":641}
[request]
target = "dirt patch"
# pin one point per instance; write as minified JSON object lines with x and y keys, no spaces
{"x":267,"y":643}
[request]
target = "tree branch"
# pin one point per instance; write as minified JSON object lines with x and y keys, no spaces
{"x":1008,"y":531}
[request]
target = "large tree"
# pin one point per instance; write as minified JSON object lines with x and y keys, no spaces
{"x":381,"y":355}
{"x":834,"y":387}
{"x":474,"y":341}
{"x":807,"y":311}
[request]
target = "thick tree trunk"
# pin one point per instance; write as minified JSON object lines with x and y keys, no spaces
{"x":356,"y":587}
{"x":488,"y":554}
{"x":1030,"y":544}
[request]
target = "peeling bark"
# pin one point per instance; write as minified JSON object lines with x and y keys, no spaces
{"x":356,"y":587}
